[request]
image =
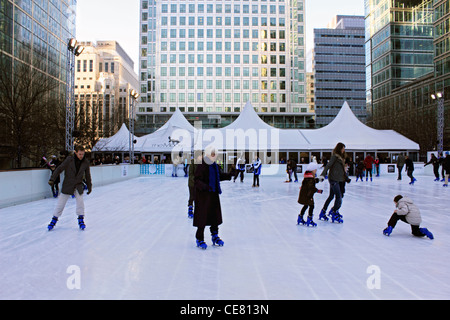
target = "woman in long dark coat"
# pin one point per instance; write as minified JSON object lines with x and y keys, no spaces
{"x":207,"y":203}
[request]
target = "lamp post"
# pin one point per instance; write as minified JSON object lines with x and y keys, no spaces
{"x":73,"y":50}
{"x":134,"y":95}
{"x":439,"y":96}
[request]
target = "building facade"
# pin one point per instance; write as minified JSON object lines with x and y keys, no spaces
{"x":209,"y":58}
{"x":339,"y":68}
{"x":104,"y":78}
{"x":34,"y":34}
{"x":399,"y":47}
{"x":406,"y":104}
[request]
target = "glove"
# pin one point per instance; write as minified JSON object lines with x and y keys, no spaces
{"x":320,"y":191}
{"x":51,"y":183}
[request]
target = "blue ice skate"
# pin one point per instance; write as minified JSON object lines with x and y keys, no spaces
{"x":81,"y":222}
{"x":445,"y":185}
{"x":387,"y":232}
{"x":201,"y":244}
{"x":310,"y":222}
{"x":323,"y":215}
{"x":426,"y":232}
{"x":191,"y":212}
{"x":52,"y":223}
{"x":301,"y":221}
{"x":217,"y":241}
{"x":336,"y":216}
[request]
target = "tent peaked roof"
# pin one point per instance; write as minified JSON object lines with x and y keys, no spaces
{"x":177,"y":121}
{"x":345,"y":118}
{"x":347,"y":128}
{"x":118,"y":142}
{"x":249,"y":119}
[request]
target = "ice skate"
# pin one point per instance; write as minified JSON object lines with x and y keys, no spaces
{"x":336,"y":217}
{"x":387,"y":232}
{"x":427,"y":233}
{"x":323,"y":215}
{"x":52,"y":223}
{"x":81,"y":222}
{"x":191,"y":212}
{"x":201,"y":244}
{"x":217,"y":241}
{"x":301,"y":221}
{"x":310,"y":222}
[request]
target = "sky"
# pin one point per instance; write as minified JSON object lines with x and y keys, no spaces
{"x":119,"y":20}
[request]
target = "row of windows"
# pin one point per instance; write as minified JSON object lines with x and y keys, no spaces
{"x":220,"y":8}
{"x":219,"y":97}
{"x":263,"y":72}
{"x":109,"y":67}
{"x":227,"y":46}
{"x":142,"y":119}
{"x":227,"y":58}
{"x":227,"y":21}
{"x":236,"y":34}
{"x":223,"y":84}
{"x":219,"y":46}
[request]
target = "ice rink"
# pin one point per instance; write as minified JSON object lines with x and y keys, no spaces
{"x":139,"y":244}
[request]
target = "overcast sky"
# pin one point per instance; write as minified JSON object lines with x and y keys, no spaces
{"x":119,"y":20}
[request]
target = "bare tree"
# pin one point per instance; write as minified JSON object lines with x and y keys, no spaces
{"x":32,"y":111}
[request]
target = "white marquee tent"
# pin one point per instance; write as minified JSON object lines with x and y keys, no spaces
{"x":249,"y":132}
{"x":120,"y":142}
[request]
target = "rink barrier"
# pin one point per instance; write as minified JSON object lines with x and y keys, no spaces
{"x":22,"y":186}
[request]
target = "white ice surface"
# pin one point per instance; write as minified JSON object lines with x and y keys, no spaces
{"x":139,"y":244}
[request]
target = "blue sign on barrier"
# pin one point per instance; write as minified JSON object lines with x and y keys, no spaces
{"x":153,"y":169}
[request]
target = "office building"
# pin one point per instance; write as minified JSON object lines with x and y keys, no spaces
{"x":208,"y":58}
{"x":339,"y":68}
{"x":35,"y":34}
{"x":104,"y":78}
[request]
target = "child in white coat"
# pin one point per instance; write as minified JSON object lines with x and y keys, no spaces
{"x":407,"y":212}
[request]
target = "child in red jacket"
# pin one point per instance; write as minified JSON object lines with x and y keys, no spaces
{"x":306,"y":196}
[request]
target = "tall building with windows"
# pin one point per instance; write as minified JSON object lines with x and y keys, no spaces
{"x":339,"y":68}
{"x":35,"y":34}
{"x":104,"y":77}
{"x":399,"y":47}
{"x":408,"y":60}
{"x":209,"y":58}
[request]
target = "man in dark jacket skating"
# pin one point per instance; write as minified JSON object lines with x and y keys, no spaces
{"x":76,"y":168}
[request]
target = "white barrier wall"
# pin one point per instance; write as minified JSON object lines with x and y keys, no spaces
{"x":18,"y":187}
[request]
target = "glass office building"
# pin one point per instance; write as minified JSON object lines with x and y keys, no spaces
{"x":399,"y":46}
{"x":36,"y":33}
{"x":209,"y":58}
{"x":406,"y":105}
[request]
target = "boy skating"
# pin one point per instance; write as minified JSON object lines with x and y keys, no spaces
{"x":407,"y":212}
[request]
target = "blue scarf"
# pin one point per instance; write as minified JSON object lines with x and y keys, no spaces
{"x":214,"y":178}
